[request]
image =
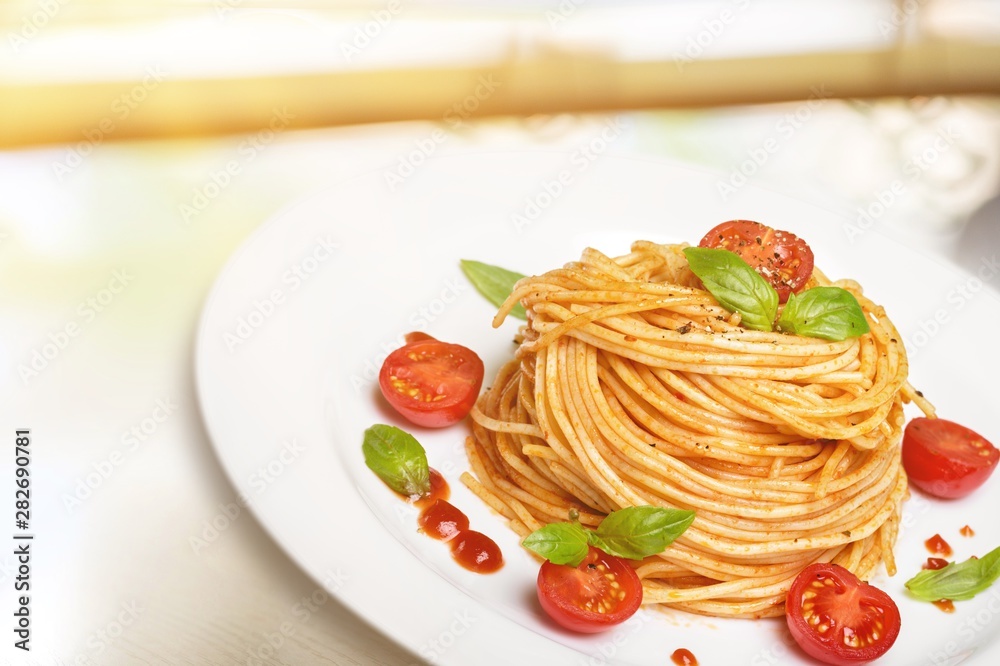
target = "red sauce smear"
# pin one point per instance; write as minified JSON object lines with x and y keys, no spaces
{"x":476,"y":552}
{"x":938,"y":546}
{"x":966,"y":531}
{"x":683,"y":657}
{"x":945,"y":605}
{"x":934,"y":563}
{"x":439,"y":491}
{"x":440,"y":519}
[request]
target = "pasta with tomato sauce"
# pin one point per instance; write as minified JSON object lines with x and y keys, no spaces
{"x":632,"y":386}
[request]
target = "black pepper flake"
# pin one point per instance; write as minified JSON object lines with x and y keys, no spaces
{"x":759,"y":241}
{"x":686,"y":328}
{"x":847,"y":533}
{"x":920,"y":393}
{"x":893,"y":340}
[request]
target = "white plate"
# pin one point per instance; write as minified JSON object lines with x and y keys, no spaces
{"x":313,"y":324}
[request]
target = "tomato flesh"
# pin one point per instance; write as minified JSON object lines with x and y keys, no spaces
{"x":838,"y":619}
{"x":946,"y":459}
{"x":431,"y":383}
{"x":780,"y":257}
{"x":601,"y":592}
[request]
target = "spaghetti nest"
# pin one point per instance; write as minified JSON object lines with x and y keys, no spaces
{"x":633,"y":386}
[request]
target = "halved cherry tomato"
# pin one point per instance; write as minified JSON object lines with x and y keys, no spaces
{"x":946,"y":459}
{"x":431,"y":383}
{"x":596,"y":595}
{"x":838,"y":619}
{"x":781,"y":257}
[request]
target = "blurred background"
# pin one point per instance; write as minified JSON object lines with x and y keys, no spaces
{"x":141,"y":142}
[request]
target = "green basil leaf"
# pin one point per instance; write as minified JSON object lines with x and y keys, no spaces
{"x":830,"y":313}
{"x":958,"y":581}
{"x":398,"y":459}
{"x":559,"y":543}
{"x":640,"y":531}
{"x":494,"y":283}
{"x":736,"y":286}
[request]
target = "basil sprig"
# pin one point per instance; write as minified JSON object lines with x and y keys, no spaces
{"x":633,"y":533}
{"x":736,"y":286}
{"x":958,"y":581}
{"x":398,"y":459}
{"x":559,"y":543}
{"x":830,"y":313}
{"x":494,"y":283}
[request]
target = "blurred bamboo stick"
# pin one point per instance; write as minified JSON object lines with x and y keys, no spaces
{"x":159,"y":107}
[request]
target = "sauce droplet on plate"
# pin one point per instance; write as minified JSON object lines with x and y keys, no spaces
{"x":967,"y":531}
{"x":442,"y":520}
{"x":938,"y":546}
{"x":476,"y":552}
{"x":945,"y":604}
{"x":683,"y":657}
{"x":934,"y":563}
